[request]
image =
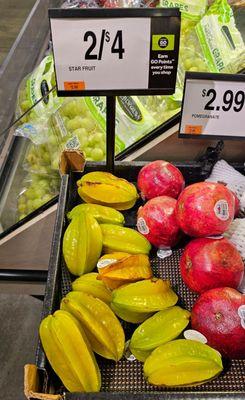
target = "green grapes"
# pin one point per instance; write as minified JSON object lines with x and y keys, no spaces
{"x":39,"y":189}
{"x":74,"y":123}
{"x":88,"y":151}
{"x":161,"y":107}
{"x":88,"y":124}
{"x":97,"y":154}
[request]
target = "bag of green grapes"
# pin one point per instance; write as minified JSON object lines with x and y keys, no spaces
{"x":34,"y":125}
{"x":220,"y":40}
{"x":35,"y":86}
{"x":191,"y":13}
{"x":35,"y":190}
{"x":80,"y":123}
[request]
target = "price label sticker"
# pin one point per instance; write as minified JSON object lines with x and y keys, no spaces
{"x":213,"y":105}
{"x":103,"y":52}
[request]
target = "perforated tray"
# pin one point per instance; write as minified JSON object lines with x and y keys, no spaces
{"x":127,"y":376}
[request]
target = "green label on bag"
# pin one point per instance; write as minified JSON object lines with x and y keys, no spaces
{"x":163,"y":42}
{"x":187,"y":7}
{"x":221,"y":43}
{"x":130,"y":108}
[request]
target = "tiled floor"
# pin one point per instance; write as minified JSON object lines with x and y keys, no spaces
{"x":13,"y":14}
{"x":20,"y":318}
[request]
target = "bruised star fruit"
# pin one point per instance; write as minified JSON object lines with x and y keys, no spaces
{"x":116,"y":269}
{"x":106,"y":189}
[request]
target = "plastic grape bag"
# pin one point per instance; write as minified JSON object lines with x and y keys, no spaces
{"x":221,"y":42}
{"x":190,"y":55}
{"x":33,"y":87}
{"x":76,"y":125}
{"x":133,"y":121}
{"x":80,"y":123}
{"x":190,"y":9}
{"x":162,"y":108}
{"x":37,"y":190}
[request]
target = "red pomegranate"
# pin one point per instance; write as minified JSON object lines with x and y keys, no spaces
{"x":210,"y":263}
{"x":219,"y":314}
{"x":205,"y":209}
{"x":160,"y":178}
{"x":157,"y":222}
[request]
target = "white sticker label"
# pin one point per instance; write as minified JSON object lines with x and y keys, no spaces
{"x":104,"y":263}
{"x":221,"y":210}
{"x":191,"y":334}
{"x":73,"y":143}
{"x":241,"y":313}
{"x":142,"y":226}
{"x":164,"y":253}
{"x":127,"y":353}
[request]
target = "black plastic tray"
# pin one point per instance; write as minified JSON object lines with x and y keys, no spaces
{"x":126,"y":377}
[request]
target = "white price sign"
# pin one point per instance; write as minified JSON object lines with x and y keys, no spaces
{"x":213,"y":105}
{"x":116,"y":51}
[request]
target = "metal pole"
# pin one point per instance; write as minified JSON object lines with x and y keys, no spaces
{"x":110,"y":132}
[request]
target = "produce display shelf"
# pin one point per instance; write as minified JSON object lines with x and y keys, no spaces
{"x":11,"y":170}
{"x":126,"y":377}
{"x":27,"y":52}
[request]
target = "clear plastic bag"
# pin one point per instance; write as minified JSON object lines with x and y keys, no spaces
{"x":35,"y":86}
{"x":161,"y":108}
{"x":220,"y":40}
{"x":78,"y":126}
{"x":81,"y":123}
{"x":37,"y":190}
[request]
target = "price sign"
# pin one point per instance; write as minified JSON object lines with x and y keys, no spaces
{"x":213,"y":105}
{"x":115,"y":51}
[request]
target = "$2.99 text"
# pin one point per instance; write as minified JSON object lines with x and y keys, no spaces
{"x":230,"y":99}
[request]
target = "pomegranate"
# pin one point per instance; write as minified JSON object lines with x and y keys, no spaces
{"x":219,"y":314}
{"x":157,"y":222}
{"x":205,"y":209}
{"x":160,"y":178}
{"x":211,"y":263}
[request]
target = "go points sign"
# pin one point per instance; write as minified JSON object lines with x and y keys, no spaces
{"x":111,"y":51}
{"x":160,"y":42}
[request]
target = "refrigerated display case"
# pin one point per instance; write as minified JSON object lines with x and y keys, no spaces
{"x":28,"y":197}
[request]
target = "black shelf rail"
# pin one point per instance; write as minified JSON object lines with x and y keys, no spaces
{"x":24,"y":275}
